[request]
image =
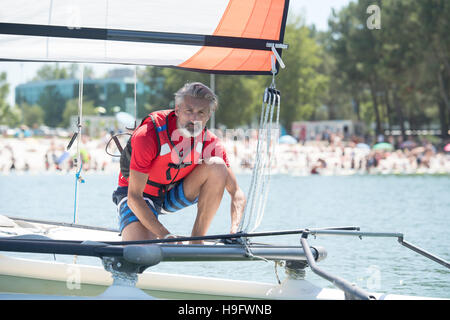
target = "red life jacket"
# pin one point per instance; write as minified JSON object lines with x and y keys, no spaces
{"x":173,"y":162}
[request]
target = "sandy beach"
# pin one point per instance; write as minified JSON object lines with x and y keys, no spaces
{"x":38,"y":155}
{"x":42,"y":154}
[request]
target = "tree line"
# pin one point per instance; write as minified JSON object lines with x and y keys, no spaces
{"x":399,"y":74}
{"x":388,"y":68}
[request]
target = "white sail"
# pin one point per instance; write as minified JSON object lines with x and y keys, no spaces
{"x":213,"y":36}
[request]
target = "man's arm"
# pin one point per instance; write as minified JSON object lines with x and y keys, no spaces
{"x":238,"y":201}
{"x":136,"y":185}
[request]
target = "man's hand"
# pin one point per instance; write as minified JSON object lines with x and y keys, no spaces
{"x":238,"y":201}
{"x":172,"y":236}
{"x":234,"y":228}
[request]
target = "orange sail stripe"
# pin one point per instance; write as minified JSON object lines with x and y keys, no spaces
{"x":233,"y":60}
{"x":250,"y":19}
{"x":206,"y":58}
{"x":220,"y":59}
{"x":257,"y":20}
{"x":275,"y":16}
{"x":235,"y":18}
{"x":258,"y":61}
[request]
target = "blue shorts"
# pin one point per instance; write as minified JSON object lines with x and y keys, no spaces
{"x":173,"y":201}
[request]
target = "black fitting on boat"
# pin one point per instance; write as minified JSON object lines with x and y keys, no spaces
{"x":135,"y":259}
{"x":305,"y":234}
{"x":144,"y":256}
{"x":121,"y":265}
{"x":295,"y":269}
{"x":296,"y":264}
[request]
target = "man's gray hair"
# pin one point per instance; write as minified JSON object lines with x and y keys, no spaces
{"x":197,"y":90}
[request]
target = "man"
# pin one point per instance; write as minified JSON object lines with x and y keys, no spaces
{"x":172,"y":161}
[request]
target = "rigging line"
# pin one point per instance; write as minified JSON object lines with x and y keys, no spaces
{"x":271,"y":144}
{"x":261,"y":170}
{"x":250,"y":254}
{"x":206,"y":237}
{"x":266,"y":143}
{"x":266,"y":169}
{"x":262,"y":155}
{"x":260,"y":161}
{"x":268,"y":157}
{"x":252,"y":181}
{"x":274,"y":136}
{"x":78,"y":160}
{"x":276,"y":264}
{"x":271,"y":98}
{"x":246,"y":218}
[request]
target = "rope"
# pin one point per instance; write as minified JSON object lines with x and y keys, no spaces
{"x":247,"y":216}
{"x":78,"y":159}
{"x":269,"y":158}
{"x":265,"y":152}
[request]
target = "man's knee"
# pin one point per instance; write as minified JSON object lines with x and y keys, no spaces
{"x":215,"y":166}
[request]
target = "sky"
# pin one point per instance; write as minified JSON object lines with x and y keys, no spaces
{"x":314,"y":11}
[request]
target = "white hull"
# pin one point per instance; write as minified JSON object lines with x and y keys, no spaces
{"x":35,"y":279}
{"x":62,"y":279}
{"x":19,"y":227}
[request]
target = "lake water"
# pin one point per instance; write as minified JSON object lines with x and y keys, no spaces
{"x":418,"y":206}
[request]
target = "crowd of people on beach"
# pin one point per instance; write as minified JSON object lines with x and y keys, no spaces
{"x":50,"y":154}
{"x":329,"y":155}
{"x":336,"y":156}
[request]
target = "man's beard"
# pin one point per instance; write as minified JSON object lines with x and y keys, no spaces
{"x":191,"y":129}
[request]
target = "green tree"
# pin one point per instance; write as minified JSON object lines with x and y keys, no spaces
{"x":33,"y":115}
{"x":357,"y":52}
{"x":55,"y":71}
{"x":403,"y":67}
{"x":8,"y":116}
{"x":164,"y":82}
{"x":236,"y":107}
{"x":74,"y":69}
{"x":301,"y":83}
{"x":51,"y":72}
{"x":341,"y":99}
{"x":235,"y":93}
{"x":4,"y":90}
{"x":71,"y":109}
{"x":154,"y":78}
{"x":435,"y":23}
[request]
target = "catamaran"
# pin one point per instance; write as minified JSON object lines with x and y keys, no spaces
{"x":218,"y":37}
{"x":124,"y":274}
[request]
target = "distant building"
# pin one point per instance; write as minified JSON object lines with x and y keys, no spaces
{"x":310,"y":130}
{"x":115,"y":90}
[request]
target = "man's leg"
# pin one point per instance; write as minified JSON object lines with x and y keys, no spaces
{"x":136,"y":231}
{"x":207,"y":182}
{"x":131,"y":228}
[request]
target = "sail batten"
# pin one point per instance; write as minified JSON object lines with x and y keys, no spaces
{"x":134,"y":36}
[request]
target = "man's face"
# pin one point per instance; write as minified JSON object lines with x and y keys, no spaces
{"x":192,"y":116}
